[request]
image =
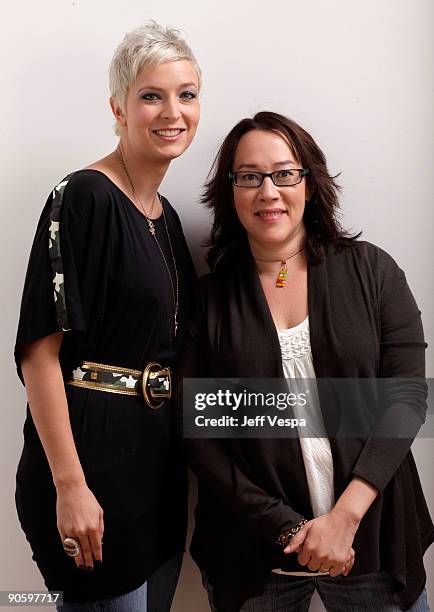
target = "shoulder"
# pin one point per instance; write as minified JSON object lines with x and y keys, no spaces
{"x":83,"y":208}
{"x":214,"y":292}
{"x":206,"y":290}
{"x":364,"y":254}
{"x":82,"y":193}
{"x":168,"y":206}
{"x":206,"y":301}
{"x":170,"y":212}
{"x":368,"y":263}
{"x":209,"y":283}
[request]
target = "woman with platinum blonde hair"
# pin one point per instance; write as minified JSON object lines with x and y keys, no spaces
{"x":101,"y":494}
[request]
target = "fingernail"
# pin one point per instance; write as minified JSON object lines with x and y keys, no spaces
{"x":99,"y":561}
{"x":81,"y":566}
{"x":89,"y":568}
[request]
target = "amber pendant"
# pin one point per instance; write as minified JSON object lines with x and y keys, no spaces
{"x":282,"y":276}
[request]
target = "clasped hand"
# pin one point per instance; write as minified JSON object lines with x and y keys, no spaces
{"x":324,"y":544}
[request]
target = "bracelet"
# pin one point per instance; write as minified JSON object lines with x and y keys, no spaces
{"x":284,"y":538}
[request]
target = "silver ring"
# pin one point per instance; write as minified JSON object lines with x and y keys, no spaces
{"x":71,"y":546}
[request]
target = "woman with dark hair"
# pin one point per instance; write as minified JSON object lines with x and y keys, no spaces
{"x":291,"y":295}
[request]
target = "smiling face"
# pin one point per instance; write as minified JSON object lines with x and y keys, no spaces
{"x":272,"y":216}
{"x":161,"y":111}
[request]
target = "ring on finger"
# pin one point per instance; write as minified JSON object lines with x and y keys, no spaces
{"x":71,"y":546}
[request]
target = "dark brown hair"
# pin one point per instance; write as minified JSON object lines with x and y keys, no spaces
{"x":320,"y":215}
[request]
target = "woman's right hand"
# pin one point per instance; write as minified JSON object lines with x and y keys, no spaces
{"x":80,"y":516}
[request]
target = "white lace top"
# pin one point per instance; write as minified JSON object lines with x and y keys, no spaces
{"x":315,"y":446}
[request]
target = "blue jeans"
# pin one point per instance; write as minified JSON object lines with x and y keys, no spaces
{"x":155,"y":595}
{"x":134,"y":601}
{"x":366,"y":593}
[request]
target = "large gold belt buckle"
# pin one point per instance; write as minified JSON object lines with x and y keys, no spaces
{"x":156,"y":385}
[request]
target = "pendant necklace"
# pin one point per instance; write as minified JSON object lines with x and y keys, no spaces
{"x":151,"y":227}
{"x":283,"y":272}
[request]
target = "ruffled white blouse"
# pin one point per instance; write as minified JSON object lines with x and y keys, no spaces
{"x":315,"y":446}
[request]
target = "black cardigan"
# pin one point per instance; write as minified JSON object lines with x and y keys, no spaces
{"x":364,"y":322}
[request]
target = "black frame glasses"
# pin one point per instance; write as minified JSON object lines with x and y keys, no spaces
{"x":302,"y":172}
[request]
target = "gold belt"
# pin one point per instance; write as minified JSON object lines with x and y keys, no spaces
{"x":154,"y":383}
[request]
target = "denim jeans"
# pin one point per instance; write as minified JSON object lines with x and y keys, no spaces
{"x":366,"y":593}
{"x":155,"y":595}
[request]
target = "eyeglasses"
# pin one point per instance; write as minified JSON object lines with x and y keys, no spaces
{"x":280,"y":178}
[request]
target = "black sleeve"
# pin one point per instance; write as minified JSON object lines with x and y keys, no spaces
{"x":402,"y":363}
{"x":213,"y":462}
{"x":68,"y":265}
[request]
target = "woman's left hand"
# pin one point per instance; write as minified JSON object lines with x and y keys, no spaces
{"x":325,"y":543}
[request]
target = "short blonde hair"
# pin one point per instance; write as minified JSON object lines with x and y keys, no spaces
{"x":146,"y":47}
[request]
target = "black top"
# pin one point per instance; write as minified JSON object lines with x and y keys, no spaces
{"x":117,"y":305}
{"x":118,"y":296}
{"x":364,"y":322}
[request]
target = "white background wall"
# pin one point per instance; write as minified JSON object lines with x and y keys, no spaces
{"x":357,"y":74}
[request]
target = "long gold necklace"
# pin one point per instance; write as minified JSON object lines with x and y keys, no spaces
{"x":175,"y":288}
{"x":283,"y":272}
